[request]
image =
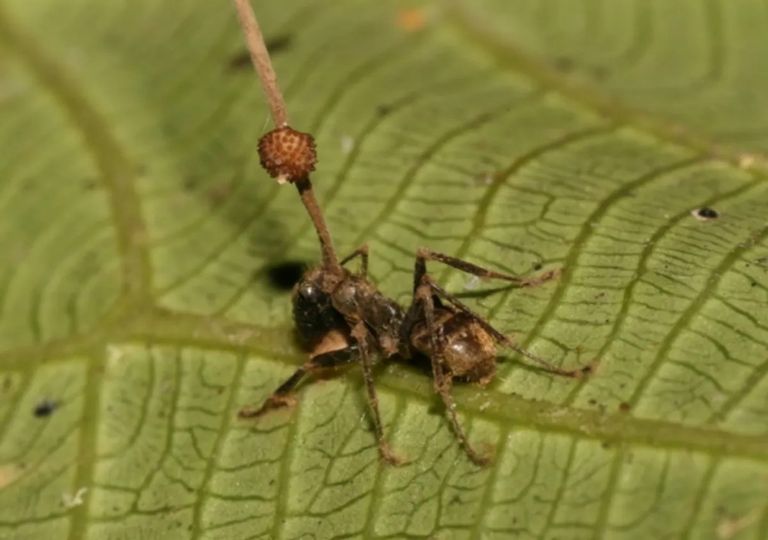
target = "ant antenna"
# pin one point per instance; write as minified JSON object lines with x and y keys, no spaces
{"x":286,"y":154}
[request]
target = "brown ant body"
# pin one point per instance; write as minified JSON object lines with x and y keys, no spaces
{"x":342,"y":317}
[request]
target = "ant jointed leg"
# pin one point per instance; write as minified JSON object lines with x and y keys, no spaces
{"x":361,"y":252}
{"x":361,"y":336}
{"x":421,"y":275}
{"x":441,"y":374}
{"x":469,"y":333}
{"x":284,"y":395}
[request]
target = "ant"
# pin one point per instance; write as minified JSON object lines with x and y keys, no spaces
{"x":341,"y":317}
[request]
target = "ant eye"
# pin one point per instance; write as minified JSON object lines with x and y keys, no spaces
{"x":309,"y":291}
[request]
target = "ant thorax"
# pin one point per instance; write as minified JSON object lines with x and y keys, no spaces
{"x":324,"y":301}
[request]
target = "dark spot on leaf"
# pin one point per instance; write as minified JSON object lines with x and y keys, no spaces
{"x":434,"y":408}
{"x":754,"y":284}
{"x":279,"y":43}
{"x":241,"y":60}
{"x":284,"y":275}
{"x":624,"y":407}
{"x":190,"y":183}
{"x":593,"y":401}
{"x":218,"y":193}
{"x":383,"y":109}
{"x":705,"y":213}
{"x":599,"y":72}
{"x":45,"y":408}
{"x":275,"y":45}
{"x":537,"y":266}
{"x":563,"y":63}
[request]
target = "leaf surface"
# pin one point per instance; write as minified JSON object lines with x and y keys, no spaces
{"x":142,"y":306}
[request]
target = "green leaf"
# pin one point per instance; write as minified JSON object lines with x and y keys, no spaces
{"x":139,"y":232}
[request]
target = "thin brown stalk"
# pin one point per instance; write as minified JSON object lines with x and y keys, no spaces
{"x":262,"y":63}
{"x":313,"y":209}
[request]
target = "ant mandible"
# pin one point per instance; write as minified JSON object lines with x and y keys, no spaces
{"x":341,"y":317}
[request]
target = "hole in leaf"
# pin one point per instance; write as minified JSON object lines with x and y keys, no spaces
{"x":705,"y":213}
{"x":45,"y":408}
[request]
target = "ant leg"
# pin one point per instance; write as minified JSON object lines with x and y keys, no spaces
{"x":360,"y":334}
{"x":498,"y":336}
{"x":429,"y":255}
{"x":283,"y":396}
{"x":420,"y":276}
{"x":361,"y":252}
{"x":443,"y":381}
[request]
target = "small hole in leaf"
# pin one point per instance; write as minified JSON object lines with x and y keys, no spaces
{"x":705,"y":213}
{"x":45,"y":408}
{"x":285,"y":275}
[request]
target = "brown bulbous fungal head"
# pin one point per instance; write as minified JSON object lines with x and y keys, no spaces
{"x":287,"y":154}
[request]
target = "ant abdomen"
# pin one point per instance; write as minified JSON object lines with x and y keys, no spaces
{"x":467,"y":349}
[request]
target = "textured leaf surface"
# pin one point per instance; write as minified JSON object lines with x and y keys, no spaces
{"x":138,"y":234}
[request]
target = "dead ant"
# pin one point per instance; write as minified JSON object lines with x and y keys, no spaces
{"x":342,"y":317}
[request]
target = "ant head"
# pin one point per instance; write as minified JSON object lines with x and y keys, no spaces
{"x":310,"y":290}
{"x":316,"y":287}
{"x":313,"y":309}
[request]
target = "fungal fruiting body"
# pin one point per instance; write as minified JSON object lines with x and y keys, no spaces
{"x":287,"y":154}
